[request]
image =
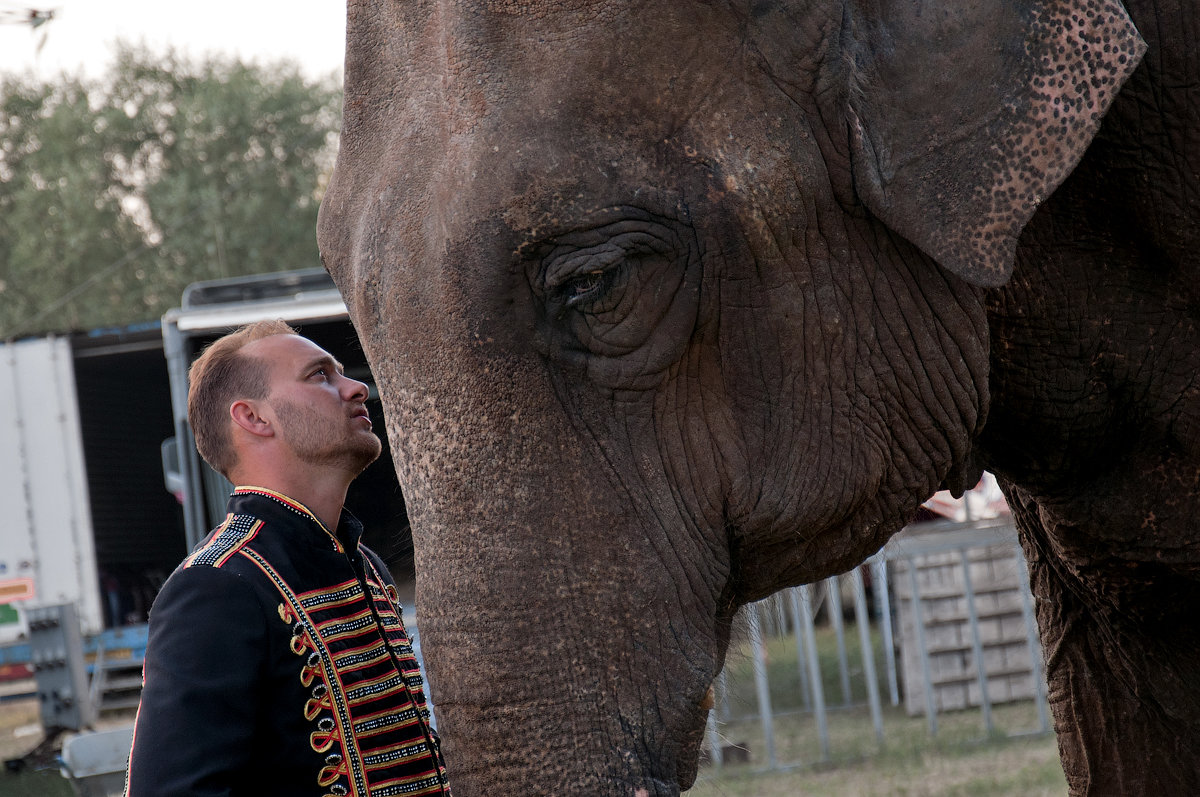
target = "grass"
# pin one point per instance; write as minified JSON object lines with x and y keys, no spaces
{"x":17,"y":718}
{"x":45,"y":783}
{"x":1027,"y":767}
{"x":961,"y":760}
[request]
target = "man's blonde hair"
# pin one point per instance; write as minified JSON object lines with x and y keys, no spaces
{"x":221,"y":376}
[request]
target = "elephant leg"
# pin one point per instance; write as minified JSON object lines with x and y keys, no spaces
{"x":1119,"y":639}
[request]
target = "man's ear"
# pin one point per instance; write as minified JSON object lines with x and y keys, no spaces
{"x":248,"y":415}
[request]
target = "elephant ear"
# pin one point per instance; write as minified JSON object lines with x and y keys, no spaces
{"x":965,"y":116}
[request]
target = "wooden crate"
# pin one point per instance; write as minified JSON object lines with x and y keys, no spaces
{"x":941,"y":584}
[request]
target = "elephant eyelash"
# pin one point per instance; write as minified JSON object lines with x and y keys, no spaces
{"x":582,"y":291}
{"x":578,"y":278}
{"x":585,"y":288}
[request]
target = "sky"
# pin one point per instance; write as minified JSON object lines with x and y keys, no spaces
{"x":82,"y":34}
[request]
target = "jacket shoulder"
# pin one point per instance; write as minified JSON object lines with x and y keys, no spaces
{"x":226,"y":540}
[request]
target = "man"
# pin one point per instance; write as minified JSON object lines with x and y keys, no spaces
{"x":277,"y":662}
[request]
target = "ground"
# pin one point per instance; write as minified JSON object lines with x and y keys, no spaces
{"x":20,"y":733}
{"x":1026,"y":767}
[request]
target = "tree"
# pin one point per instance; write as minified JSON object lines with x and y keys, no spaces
{"x":115,"y":195}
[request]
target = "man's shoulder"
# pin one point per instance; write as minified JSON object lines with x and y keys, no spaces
{"x":199,"y":591}
{"x":225,"y":541}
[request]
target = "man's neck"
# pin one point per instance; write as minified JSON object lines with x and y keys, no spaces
{"x":325,"y":504}
{"x":324,"y":497}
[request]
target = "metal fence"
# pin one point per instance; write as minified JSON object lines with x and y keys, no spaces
{"x":944,"y":625}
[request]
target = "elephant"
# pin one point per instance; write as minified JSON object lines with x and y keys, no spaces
{"x":674,"y":305}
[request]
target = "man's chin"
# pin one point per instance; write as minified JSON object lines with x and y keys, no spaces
{"x":363,"y":457}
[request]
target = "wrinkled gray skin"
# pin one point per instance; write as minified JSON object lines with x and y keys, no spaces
{"x":672,"y":305}
{"x":1095,"y":427}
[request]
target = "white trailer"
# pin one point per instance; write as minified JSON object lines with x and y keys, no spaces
{"x":47,"y":552}
{"x":89,"y":522}
{"x":83,"y":421}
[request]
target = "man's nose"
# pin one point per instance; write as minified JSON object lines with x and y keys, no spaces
{"x":353,"y":390}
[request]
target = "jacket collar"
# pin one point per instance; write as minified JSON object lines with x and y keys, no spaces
{"x":269,"y":504}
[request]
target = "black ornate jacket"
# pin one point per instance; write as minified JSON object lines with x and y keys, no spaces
{"x":278,"y":664}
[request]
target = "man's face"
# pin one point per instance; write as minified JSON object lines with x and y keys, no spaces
{"x":319,"y":412}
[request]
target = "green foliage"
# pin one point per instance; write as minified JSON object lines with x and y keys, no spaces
{"x":115,"y":194}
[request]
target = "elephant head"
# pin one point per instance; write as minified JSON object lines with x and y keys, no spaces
{"x":672,"y":305}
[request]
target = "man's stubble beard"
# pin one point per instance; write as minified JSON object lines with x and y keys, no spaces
{"x":311,"y":437}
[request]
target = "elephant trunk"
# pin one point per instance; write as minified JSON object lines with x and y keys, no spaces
{"x":559,"y":657}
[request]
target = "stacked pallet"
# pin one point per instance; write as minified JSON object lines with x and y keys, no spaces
{"x":943,"y":652}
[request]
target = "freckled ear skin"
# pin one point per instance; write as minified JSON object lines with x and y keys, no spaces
{"x":965,"y":116}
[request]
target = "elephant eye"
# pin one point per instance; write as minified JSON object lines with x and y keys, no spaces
{"x":581,"y":279}
{"x":619,"y":299}
{"x":584,"y":288}
{"x":591,"y":280}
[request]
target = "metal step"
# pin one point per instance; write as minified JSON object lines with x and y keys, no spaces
{"x":116,"y":683}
